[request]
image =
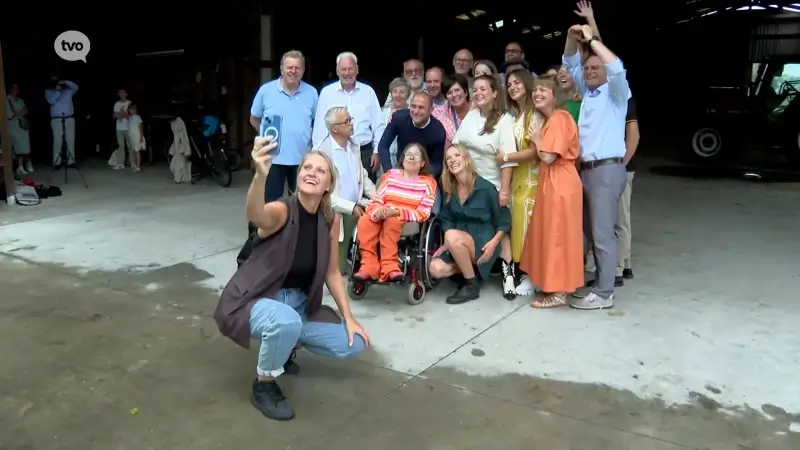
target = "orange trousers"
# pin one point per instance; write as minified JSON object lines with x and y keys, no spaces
{"x":385,"y":233}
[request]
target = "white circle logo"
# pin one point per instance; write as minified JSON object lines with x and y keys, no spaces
{"x":72,"y":46}
{"x":271,"y":131}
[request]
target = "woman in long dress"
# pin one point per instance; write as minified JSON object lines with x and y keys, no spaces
{"x":18,"y":130}
{"x":519,"y":86}
{"x":553,"y":249}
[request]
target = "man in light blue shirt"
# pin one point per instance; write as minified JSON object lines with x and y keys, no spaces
{"x":603,"y":84}
{"x":295,"y":102}
{"x":62,"y":120}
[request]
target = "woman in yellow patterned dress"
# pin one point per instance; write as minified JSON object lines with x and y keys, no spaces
{"x":519,"y":91}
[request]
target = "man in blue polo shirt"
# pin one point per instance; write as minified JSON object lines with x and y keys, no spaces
{"x":295,"y":102}
{"x":415,"y":125}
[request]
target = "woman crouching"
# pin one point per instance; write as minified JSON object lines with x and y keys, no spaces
{"x":276,"y":295}
{"x":474,"y":225}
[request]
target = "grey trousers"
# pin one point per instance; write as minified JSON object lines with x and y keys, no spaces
{"x":602,"y":189}
{"x":623,"y":231}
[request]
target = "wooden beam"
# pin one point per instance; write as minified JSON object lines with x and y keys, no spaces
{"x":5,"y":138}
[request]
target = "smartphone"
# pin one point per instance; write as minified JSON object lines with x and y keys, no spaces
{"x":271,"y":126}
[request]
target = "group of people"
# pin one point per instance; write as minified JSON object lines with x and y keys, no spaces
{"x":60,"y":99}
{"x":517,"y":168}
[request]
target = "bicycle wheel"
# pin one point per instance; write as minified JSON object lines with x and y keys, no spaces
{"x":220,"y":167}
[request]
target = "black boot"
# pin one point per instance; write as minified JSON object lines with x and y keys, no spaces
{"x":509,"y":281}
{"x":471,"y":290}
{"x":291,"y":367}
{"x":458,"y":279}
{"x":268,"y":398}
{"x":627,"y":274}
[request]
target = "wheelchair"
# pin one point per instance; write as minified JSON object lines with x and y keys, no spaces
{"x":418,"y":242}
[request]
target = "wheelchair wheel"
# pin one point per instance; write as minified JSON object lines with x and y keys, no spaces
{"x":357,"y":290}
{"x":429,"y":243}
{"x":416,"y":294}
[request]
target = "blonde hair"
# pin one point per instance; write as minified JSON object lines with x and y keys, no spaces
{"x":326,"y":204}
{"x":293,"y":54}
{"x":449,"y":182}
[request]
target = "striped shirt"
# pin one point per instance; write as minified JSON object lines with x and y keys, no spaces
{"x":413,"y":197}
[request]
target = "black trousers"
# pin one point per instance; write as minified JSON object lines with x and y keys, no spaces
{"x":366,"y":161}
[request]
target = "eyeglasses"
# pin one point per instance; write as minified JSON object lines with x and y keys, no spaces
{"x":413,"y":155}
{"x":413,"y":71}
{"x":347,"y":121}
{"x":513,"y":51}
{"x":462,"y":61}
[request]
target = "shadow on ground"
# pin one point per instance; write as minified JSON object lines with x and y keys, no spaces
{"x":131,"y":361}
{"x":729,"y":172}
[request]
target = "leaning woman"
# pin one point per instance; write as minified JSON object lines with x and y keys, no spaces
{"x":553,"y":252}
{"x":276,"y":295}
{"x":519,"y":86}
{"x":405,"y":194}
{"x":474,"y":226}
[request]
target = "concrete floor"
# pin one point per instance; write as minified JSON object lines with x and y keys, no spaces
{"x":107,"y":341}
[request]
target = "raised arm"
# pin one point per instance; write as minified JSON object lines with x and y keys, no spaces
{"x":267,"y":217}
{"x":618,"y":88}
{"x":572,"y":58}
{"x":585,"y":10}
{"x":71,"y":85}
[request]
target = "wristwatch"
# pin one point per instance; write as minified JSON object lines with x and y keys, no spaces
{"x":593,"y":38}
{"x":505,"y":157}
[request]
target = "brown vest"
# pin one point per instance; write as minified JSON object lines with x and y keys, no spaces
{"x":264,"y":272}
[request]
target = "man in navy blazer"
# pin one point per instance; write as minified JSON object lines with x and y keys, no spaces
{"x":415,"y":125}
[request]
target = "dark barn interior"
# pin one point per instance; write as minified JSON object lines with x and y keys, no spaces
{"x":673,"y":50}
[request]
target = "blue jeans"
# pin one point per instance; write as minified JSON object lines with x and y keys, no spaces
{"x":281,"y":324}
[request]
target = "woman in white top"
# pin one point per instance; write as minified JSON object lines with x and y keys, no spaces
{"x":486,"y":130}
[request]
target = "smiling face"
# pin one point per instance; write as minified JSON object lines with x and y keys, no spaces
{"x":462,"y":62}
{"x":347,"y":69}
{"x":565,"y":78}
{"x":292,"y":70}
{"x":482,"y":93}
{"x":543,"y":97}
{"x":457,"y":96}
{"x":594,"y":72}
{"x":454,"y":160}
{"x":413,"y":74}
{"x":433,"y":78}
{"x":314,"y":177}
{"x":400,"y":97}
{"x":516,"y":90}
{"x":420,"y":109}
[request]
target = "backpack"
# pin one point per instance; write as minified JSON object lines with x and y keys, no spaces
{"x":26,"y":195}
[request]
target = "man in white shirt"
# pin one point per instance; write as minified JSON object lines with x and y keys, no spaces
{"x":362,"y":103}
{"x":121,"y":117}
{"x":353,"y":188}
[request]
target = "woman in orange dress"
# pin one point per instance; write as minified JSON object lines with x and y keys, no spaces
{"x":553,"y":251}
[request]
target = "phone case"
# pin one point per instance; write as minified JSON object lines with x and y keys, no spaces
{"x":272,"y":126}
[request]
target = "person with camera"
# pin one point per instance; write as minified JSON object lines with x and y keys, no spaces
{"x":276,"y":295}
{"x":62,"y":120}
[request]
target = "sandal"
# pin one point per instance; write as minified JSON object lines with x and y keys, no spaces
{"x":550,"y":301}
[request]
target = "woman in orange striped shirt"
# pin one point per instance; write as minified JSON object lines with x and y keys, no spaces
{"x":404,"y":194}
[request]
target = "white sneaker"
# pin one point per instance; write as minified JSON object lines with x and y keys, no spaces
{"x":119,"y":167}
{"x":525,"y":287}
{"x":135,"y":169}
{"x":21,"y":171}
{"x":29,"y":167}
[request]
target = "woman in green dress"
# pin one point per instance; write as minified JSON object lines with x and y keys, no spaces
{"x":573,"y":100}
{"x":474,"y":224}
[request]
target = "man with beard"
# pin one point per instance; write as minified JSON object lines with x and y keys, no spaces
{"x":413,"y":71}
{"x":362,"y":102}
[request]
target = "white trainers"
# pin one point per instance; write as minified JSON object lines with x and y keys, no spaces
{"x":525,"y":287}
{"x":592,"y":301}
{"x":29,"y":167}
{"x":21,"y":171}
